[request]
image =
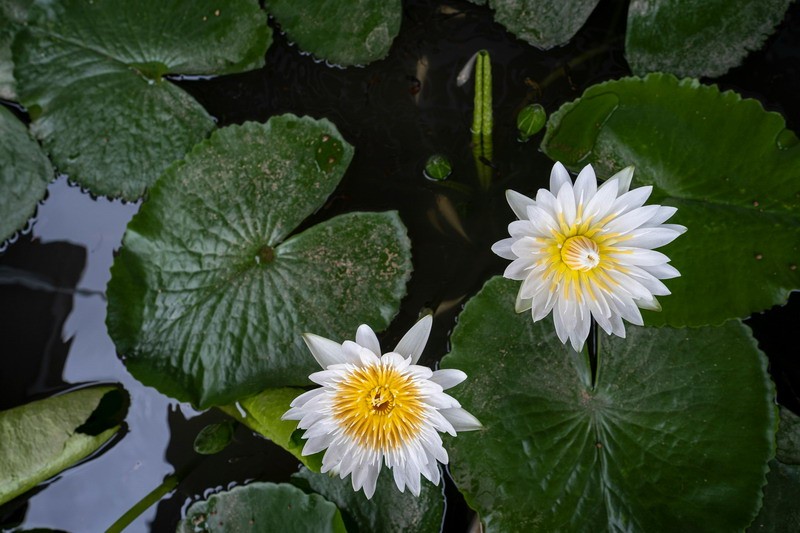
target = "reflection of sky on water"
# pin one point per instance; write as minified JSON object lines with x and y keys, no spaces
{"x":136,"y":464}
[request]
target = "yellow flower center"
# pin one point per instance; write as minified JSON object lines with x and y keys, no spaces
{"x":379,"y":407}
{"x":580,"y":253}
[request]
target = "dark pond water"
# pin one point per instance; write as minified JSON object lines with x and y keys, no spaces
{"x":396,"y":112}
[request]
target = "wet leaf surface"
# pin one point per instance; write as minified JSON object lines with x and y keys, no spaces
{"x":677,"y":431}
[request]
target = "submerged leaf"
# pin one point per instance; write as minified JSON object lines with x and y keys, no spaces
{"x":24,"y":174}
{"x":42,"y":438}
{"x":208,"y":302}
{"x":214,"y":438}
{"x":676,"y":432}
{"x":388,"y":511}
{"x":697,"y":37}
{"x":92,"y":76}
{"x":730,"y":168}
{"x":344,"y":32}
{"x":263,"y":507}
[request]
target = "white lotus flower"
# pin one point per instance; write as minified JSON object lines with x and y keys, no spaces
{"x":374,"y":409}
{"x":583,"y":251}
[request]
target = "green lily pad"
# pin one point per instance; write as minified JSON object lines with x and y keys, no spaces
{"x":344,"y":32}
{"x":207,"y":301}
{"x":697,"y":37}
{"x":24,"y":174}
{"x":263,"y":507}
{"x":92,"y":76}
{"x":788,"y":438}
{"x":42,"y":438}
{"x":389,"y":510}
{"x":542,"y":23}
{"x":13,"y":14}
{"x":262,"y":413}
{"x":780,"y":512}
{"x":731,"y":169}
{"x":676,"y":432}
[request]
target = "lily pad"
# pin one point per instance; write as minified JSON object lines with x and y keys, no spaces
{"x":780,"y":512}
{"x":788,"y":438}
{"x":13,"y":13}
{"x":697,"y":37}
{"x":676,"y":432}
{"x":24,"y":174}
{"x":207,"y":301}
{"x":263,"y":507}
{"x":344,"y":32}
{"x":262,"y":413}
{"x":42,"y":438}
{"x":732,"y":170}
{"x":542,"y":23}
{"x":389,"y":510}
{"x":92,"y":77}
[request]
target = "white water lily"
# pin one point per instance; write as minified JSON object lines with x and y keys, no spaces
{"x":583,"y":251}
{"x":374,"y":409}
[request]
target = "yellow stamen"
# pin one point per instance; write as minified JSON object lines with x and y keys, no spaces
{"x":580,"y":253}
{"x":379,"y":407}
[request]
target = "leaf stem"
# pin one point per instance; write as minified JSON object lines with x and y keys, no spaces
{"x":166,"y":486}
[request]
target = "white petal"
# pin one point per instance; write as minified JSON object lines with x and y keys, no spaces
{"x":631,"y":200}
{"x":371,"y":479}
{"x":558,"y":177}
{"x":413,"y":342}
{"x":623,"y":179}
{"x":448,"y":377}
{"x":585,"y":186}
{"x":519,"y":203}
{"x":664,"y":271}
{"x":600,"y":204}
{"x":650,"y":304}
{"x":639,"y":256}
{"x":325,"y":351}
{"x":631,"y":220}
{"x":521,"y":228}
{"x":649,"y":237}
{"x":522,"y":304}
{"x":664,"y":212}
{"x":366,"y":338}
{"x":305,"y":397}
{"x":503,"y":248}
{"x":566,"y":203}
{"x":517,"y":269}
{"x":461,"y":419}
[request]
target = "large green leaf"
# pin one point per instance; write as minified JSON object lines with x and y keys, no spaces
{"x":780,"y":513}
{"x":207,"y":303}
{"x":677,"y":431}
{"x":40,"y":439}
{"x":24,"y":174}
{"x":263,"y":507}
{"x":262,"y":413}
{"x":788,"y":438}
{"x":542,"y":23}
{"x":13,"y":14}
{"x":730,"y":168}
{"x":92,"y":77}
{"x":697,"y":37}
{"x":345,"y":32}
{"x":389,"y":510}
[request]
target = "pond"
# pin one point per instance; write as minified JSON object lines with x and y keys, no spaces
{"x":396,"y":112}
